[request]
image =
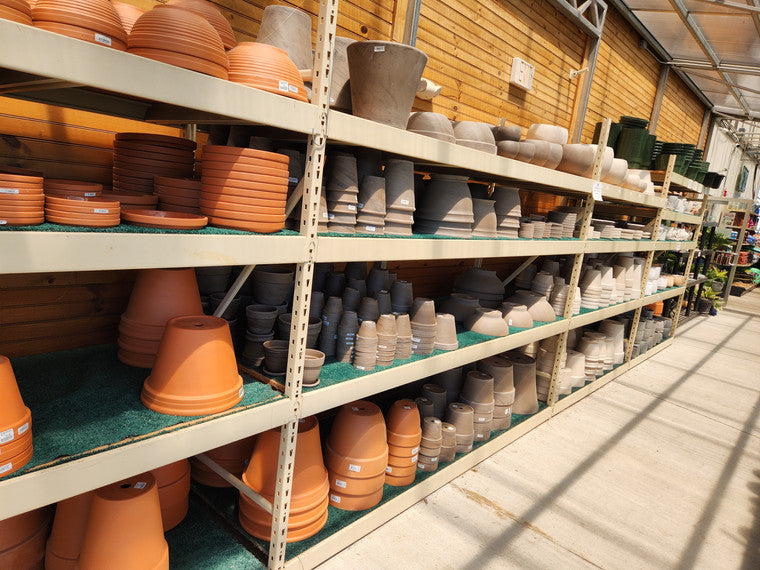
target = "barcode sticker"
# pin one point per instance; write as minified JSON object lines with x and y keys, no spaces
{"x":9,"y":191}
{"x":389,"y":469}
{"x":370,"y":228}
{"x":414,"y":459}
{"x":596,"y":191}
{"x":6,"y":436}
{"x":354,"y":468}
{"x":5,"y":468}
{"x":90,"y":194}
{"x":140,"y":485}
{"x":351,"y":207}
{"x":101,"y":39}
{"x":241,"y":392}
{"x":405,"y":202}
{"x":283,"y":85}
{"x":334,"y":498}
{"x":292,"y":88}
{"x":3,"y":222}
{"x":340,"y":483}
{"x":292,"y":180}
{"x":379,"y":48}
{"x":100,"y":210}
{"x":415,"y":450}
{"x":23,"y":428}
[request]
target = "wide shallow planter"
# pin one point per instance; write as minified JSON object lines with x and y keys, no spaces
{"x":195,"y":371}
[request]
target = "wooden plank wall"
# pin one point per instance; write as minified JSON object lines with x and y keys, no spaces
{"x":470,"y":46}
{"x":625,"y":80}
{"x":681,"y":113}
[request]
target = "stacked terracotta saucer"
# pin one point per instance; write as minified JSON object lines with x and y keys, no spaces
{"x":371,"y":218}
{"x":430,"y":444}
{"x":244,"y":188}
{"x":64,"y":188}
{"x":139,"y":157}
{"x":424,"y":326}
{"x":158,"y":295}
{"x":15,"y":423}
{"x":128,"y":14}
{"x":356,"y":456}
{"x":94,"y":21}
{"x":404,"y":341}
{"x":386,"y":339}
{"x":171,"y":34}
{"x":365,"y":349}
{"x":131,"y":200}
{"x":16,"y":11}
{"x":21,"y":200}
{"x":267,"y":68}
{"x":404,"y":434}
{"x":85,"y":212}
{"x":342,"y":194}
{"x":508,"y":212}
{"x":214,"y":17}
{"x":399,"y":197}
{"x":178,"y":194}
{"x":164,"y":220}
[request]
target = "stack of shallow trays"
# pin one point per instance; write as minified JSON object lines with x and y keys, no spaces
{"x":139,"y":157}
{"x":508,"y":211}
{"x":21,"y":200}
{"x":85,"y":212}
{"x":178,"y":194}
{"x":565,"y":219}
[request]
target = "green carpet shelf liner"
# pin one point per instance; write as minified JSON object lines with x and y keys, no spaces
{"x":226,"y":500}
{"x":200,"y":543}
{"x":85,"y":400}
{"x":334,"y":372}
{"x":130,"y":229}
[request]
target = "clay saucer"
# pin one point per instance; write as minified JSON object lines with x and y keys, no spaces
{"x":20,"y":210}
{"x":213,"y":16}
{"x":259,"y":227}
{"x":23,"y":16}
{"x":80,"y":33}
{"x":141,"y":155}
{"x":112,"y":216}
{"x":130,"y":198}
{"x":181,"y":44}
{"x":253,"y":182}
{"x":237,"y":169}
{"x":255,"y":192}
{"x":158,"y":150}
{"x":22,"y":200}
{"x":232,"y":151}
{"x":177,"y":191}
{"x":184,"y":183}
{"x":169,"y":207}
{"x":180,"y":60}
{"x":229,"y":162}
{"x":22,"y":192}
{"x":243,"y":216}
{"x":142,"y":170}
{"x":234,"y":178}
{"x":21,"y":220}
{"x":226,"y":209}
{"x":155,"y":139}
{"x":78,"y":221}
{"x":61,"y":184}
{"x":76,"y":202}
{"x":275,"y":201}
{"x":9,"y":178}
{"x":185,"y":202}
{"x":96,"y":15}
{"x":159,"y":219}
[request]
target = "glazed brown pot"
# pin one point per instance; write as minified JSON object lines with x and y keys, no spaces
{"x":384,"y":80}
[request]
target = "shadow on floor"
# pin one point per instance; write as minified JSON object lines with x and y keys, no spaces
{"x":693,"y":547}
{"x":751,"y":560}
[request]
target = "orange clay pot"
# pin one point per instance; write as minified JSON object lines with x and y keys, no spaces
{"x":267,"y":68}
{"x":357,"y":443}
{"x":15,"y":417}
{"x":195,"y":372}
{"x":403,"y":424}
{"x":258,"y":227}
{"x":308,"y":511}
{"x":160,"y":294}
{"x":233,"y":457}
{"x":65,"y":542}
{"x":128,"y":14}
{"x":124,"y":529}
{"x":355,"y":487}
{"x":214,"y":17}
{"x":353,"y":503}
{"x":399,"y":452}
{"x":657,"y":308}
{"x":19,"y":529}
{"x":400,"y":471}
{"x":402,"y":462}
{"x":173,"y":482}
{"x":29,"y":554}
{"x":394,"y":481}
{"x":235,"y":154}
{"x":13,"y":463}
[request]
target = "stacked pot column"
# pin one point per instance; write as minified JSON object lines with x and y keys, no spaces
{"x":430,"y":444}
{"x":15,"y":423}
{"x":404,"y":434}
{"x":503,"y":391}
{"x":477,"y":392}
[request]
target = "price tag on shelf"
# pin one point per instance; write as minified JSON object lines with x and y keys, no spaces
{"x":596,"y":191}
{"x":678,"y":247}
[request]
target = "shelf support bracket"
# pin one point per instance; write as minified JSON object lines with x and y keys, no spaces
{"x":519,"y":270}
{"x":235,"y":482}
{"x":236,"y":286}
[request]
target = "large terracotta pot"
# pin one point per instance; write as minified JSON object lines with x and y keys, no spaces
{"x":28,"y":532}
{"x":124,"y":529}
{"x":308,"y":507}
{"x":195,"y":371}
{"x":69,"y":524}
{"x":173,"y":482}
{"x":384,"y":80}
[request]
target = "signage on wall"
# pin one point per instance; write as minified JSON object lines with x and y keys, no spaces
{"x":522,"y":74}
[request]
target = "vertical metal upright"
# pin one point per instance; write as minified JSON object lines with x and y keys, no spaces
{"x":315,"y":160}
{"x":588,"y":211}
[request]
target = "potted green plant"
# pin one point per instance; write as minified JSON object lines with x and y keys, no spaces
{"x":718,"y":278}
{"x":709,"y":302}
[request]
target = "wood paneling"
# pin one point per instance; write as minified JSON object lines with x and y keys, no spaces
{"x":470,"y":47}
{"x":625,"y":80}
{"x":681,"y":113}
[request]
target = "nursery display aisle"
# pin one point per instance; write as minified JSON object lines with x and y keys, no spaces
{"x":573,"y":493}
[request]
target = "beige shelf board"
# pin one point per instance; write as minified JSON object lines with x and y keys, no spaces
{"x":618,"y":194}
{"x":677,"y":181}
{"x":49,"y":485}
{"x":680,"y":217}
{"x":662,"y":295}
{"x":604,"y":313}
{"x":589,"y":388}
{"x":619,"y":246}
{"x":35,"y":252}
{"x":382,"y":514}
{"x":381,"y":248}
{"x":321,"y":399}
{"x":45,"y":66}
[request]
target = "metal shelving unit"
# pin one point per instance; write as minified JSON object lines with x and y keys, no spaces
{"x":62,"y":71}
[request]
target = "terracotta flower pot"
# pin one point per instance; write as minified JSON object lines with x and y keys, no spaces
{"x":28,"y":531}
{"x":214,"y":17}
{"x":403,"y":424}
{"x":357,"y":445}
{"x":308,"y":508}
{"x":374,"y":65}
{"x":195,"y":371}
{"x":173,"y":482}
{"x":233,"y":457}
{"x":15,"y":417}
{"x":67,"y":535}
{"x":124,"y":528}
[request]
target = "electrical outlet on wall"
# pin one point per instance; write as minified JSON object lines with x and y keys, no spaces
{"x":522,"y":74}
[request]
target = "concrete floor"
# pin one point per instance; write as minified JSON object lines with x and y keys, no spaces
{"x":658,"y":469}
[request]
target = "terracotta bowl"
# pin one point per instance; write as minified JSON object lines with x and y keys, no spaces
{"x":267,"y":68}
{"x":97,"y":16}
{"x":128,"y":14}
{"x":357,"y":444}
{"x":16,"y":11}
{"x":214,"y":17}
{"x":474,"y":135}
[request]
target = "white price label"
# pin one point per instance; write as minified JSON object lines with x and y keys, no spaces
{"x":23,"y":428}
{"x":292,"y":180}
{"x":596,"y":191}
{"x":334,"y":498}
{"x":379,"y":48}
{"x":100,"y":210}
{"x":479,"y":436}
{"x":351,"y":207}
{"x":9,"y":191}
{"x":241,"y":392}
{"x":140,"y":485}
{"x":292,"y":88}
{"x":415,"y":450}
{"x":283,"y":85}
{"x":389,"y":469}
{"x":5,"y":468}
{"x":3,"y":222}
{"x":6,"y":436}
{"x":90,"y":194}
{"x":414,"y":459}
{"x":354,"y":468}
{"x":101,"y":39}
{"x":405,"y":202}
{"x":370,"y":228}
{"x":340,"y":483}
